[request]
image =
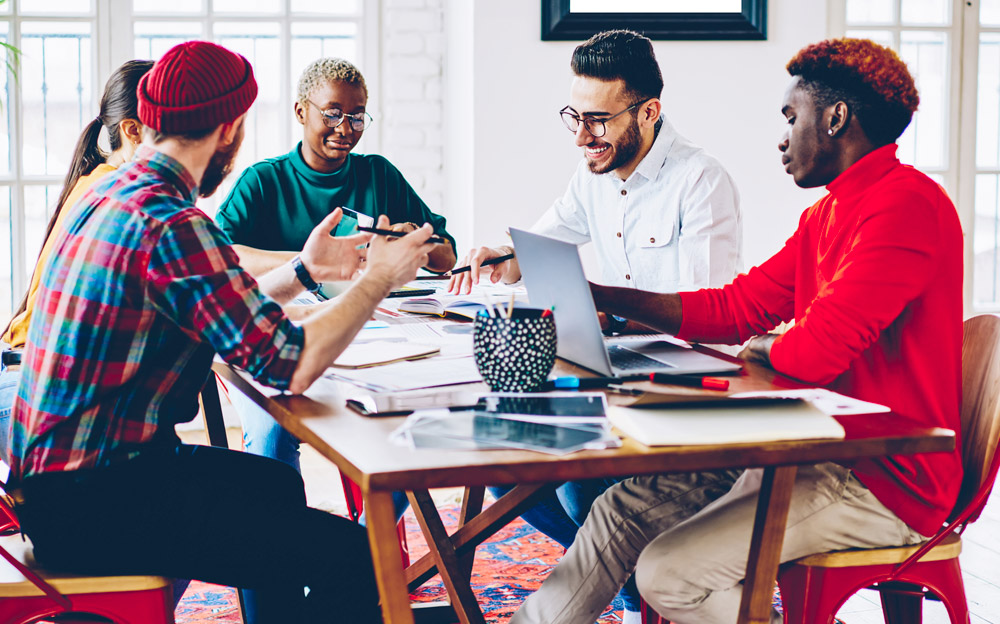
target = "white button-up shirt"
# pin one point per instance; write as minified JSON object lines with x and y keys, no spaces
{"x":673,"y":225}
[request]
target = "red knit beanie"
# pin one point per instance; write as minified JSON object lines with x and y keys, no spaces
{"x":195,"y":86}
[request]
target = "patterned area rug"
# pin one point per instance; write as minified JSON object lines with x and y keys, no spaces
{"x":508,"y":568}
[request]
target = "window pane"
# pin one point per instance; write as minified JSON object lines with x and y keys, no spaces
{"x":260,"y":44}
{"x":925,"y":142}
{"x":5,"y":93}
{"x":328,"y":7}
{"x":62,"y":7}
{"x":988,"y":102}
{"x":246,"y":6}
{"x":869,"y":11}
{"x":152,"y":39}
{"x":881,"y":37}
{"x":173,"y":7}
{"x":986,"y":243}
{"x":925,"y":12}
{"x":989,"y":12}
{"x":56,"y":92}
{"x":6,"y":256}
{"x":39,"y":203}
{"x":310,"y":41}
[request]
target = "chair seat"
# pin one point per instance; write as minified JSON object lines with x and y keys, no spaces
{"x":14,"y":584}
{"x":949,"y":548}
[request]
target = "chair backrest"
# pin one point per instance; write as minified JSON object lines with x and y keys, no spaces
{"x":980,"y":412}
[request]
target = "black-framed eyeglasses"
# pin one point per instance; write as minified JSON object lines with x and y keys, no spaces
{"x":333,"y":117}
{"x":594,"y":126}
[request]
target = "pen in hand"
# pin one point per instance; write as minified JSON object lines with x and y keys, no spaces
{"x":487,"y":262}
{"x":433,"y":239}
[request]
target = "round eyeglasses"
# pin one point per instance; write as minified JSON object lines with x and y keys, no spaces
{"x":333,"y":117}
{"x":595,"y":127}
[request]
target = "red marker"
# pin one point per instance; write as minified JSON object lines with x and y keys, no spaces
{"x":710,"y":383}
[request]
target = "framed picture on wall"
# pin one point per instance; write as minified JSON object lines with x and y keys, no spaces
{"x":577,"y":20}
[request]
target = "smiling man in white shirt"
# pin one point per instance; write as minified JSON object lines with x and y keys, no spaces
{"x":663,"y":215}
{"x":667,"y":218}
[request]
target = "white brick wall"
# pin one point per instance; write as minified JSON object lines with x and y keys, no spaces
{"x":412,"y":60}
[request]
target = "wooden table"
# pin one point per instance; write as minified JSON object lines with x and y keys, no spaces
{"x":359,"y":447}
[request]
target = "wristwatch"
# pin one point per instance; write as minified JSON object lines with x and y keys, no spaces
{"x":11,"y":357}
{"x":302,"y":273}
{"x":616,"y":324}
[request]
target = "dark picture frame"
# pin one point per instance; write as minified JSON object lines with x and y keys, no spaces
{"x":561,"y":24}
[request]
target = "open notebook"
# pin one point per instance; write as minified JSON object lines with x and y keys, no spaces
{"x":443,"y":305}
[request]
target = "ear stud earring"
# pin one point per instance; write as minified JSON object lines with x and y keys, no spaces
{"x":830,"y":131}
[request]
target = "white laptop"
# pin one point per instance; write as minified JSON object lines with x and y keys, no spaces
{"x":554,"y":278}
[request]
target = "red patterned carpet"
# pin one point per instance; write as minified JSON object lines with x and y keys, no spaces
{"x":508,"y":567}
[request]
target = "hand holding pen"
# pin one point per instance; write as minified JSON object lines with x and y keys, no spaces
{"x":496,"y":262}
{"x":397,"y":234}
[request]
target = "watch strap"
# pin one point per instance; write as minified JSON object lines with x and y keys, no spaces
{"x":615,"y":325}
{"x":302,"y":273}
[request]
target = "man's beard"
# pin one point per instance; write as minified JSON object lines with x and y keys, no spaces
{"x":625,"y":150}
{"x":220,"y":165}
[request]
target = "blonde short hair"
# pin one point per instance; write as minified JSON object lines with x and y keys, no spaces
{"x":326,"y":70}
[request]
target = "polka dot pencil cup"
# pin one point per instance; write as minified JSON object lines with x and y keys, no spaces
{"x":515,"y":354}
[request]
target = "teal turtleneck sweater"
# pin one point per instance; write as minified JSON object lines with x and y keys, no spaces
{"x":277,"y":202}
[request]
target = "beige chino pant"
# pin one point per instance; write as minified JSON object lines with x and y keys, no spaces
{"x":687,"y":538}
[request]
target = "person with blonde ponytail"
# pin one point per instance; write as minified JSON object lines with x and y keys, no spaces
{"x":119,"y":117}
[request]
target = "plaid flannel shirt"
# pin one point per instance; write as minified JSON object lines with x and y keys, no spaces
{"x":141,"y":291}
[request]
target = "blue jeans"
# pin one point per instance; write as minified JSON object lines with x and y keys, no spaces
{"x":8,"y":390}
{"x":262,"y":435}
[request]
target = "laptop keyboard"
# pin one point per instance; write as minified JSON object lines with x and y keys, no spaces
{"x":626,"y":359}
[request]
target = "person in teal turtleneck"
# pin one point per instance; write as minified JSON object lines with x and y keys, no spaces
{"x":276,"y":203}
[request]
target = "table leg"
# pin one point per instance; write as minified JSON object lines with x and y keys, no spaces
{"x":480,"y":528}
{"x":446,"y":559}
{"x":385,"y":553}
{"x":765,"y":545}
{"x":472,"y":506}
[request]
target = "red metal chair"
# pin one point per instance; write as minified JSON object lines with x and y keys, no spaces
{"x":814,"y":588}
{"x":356,"y":504}
{"x":28,"y":594}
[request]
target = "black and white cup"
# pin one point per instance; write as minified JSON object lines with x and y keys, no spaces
{"x":515,"y":354}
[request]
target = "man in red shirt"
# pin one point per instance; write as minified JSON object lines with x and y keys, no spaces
{"x":872,"y":278}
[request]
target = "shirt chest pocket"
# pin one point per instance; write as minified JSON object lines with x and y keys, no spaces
{"x":654,"y":226}
{"x":654,"y":236}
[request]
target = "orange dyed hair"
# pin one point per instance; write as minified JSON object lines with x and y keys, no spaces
{"x":869,"y":77}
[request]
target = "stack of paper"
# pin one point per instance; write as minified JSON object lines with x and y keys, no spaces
{"x":740,"y":422}
{"x":443,"y":429}
{"x":412,"y":375}
{"x":364,"y":355}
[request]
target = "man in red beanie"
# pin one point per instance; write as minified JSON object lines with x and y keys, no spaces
{"x":141,"y":293}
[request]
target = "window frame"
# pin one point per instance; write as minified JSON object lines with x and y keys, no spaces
{"x":113,"y":42}
{"x":963,"y":64}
